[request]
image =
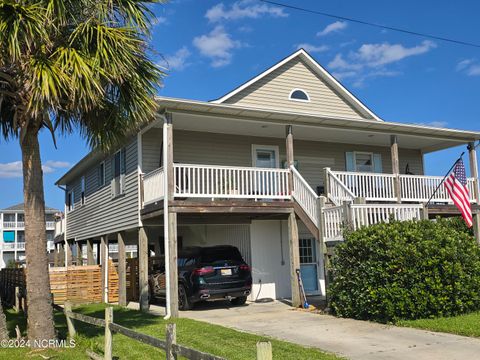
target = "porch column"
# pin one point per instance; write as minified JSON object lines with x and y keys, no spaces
{"x":168,"y":146}
{"x":61,"y":253}
{"x":56,"y":256}
{"x":68,"y":253}
{"x":104,"y":266}
{"x":90,"y":259}
{"x":321,"y":201}
{"x":472,"y":154}
{"x":172,"y":259}
{"x":395,"y":166}
{"x":122,"y":270}
{"x":294,"y":258}
{"x":78,"y":246}
{"x":289,"y":151}
{"x":143,"y":269}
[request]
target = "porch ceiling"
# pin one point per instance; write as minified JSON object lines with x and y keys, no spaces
{"x":229,"y":119}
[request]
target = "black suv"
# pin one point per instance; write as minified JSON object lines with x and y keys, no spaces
{"x":205,"y":273}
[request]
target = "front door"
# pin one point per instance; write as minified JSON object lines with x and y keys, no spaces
{"x":309,"y":265}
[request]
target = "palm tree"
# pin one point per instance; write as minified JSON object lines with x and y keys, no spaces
{"x":69,"y":65}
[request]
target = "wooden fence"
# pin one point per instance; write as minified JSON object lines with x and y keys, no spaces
{"x":77,"y":284}
{"x":172,"y":349}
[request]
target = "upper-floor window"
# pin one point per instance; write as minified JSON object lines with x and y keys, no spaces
{"x":70,"y":200}
{"x":363,"y":162}
{"x":82,"y":186}
{"x":299,"y":95}
{"x":119,"y":169}
{"x":101,"y":174}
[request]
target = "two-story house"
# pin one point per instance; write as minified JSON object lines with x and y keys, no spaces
{"x":276,"y":167}
{"x":12,"y":233}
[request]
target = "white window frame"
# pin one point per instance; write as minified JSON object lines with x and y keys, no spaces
{"x":364,"y":153}
{"x":83,"y":191}
{"x":256,"y":147}
{"x":301,"y":100}
{"x":121,"y":178}
{"x":70,"y":200}
{"x":103,"y":179}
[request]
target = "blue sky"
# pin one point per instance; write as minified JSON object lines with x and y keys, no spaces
{"x":210,"y":47}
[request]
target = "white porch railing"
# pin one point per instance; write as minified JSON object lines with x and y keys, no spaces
{"x":50,"y":224}
{"x":212,"y":181}
{"x":420,"y":188}
{"x":337,"y":191}
{"x":9,"y":224}
{"x":59,"y":227}
{"x":334,"y":222}
{"x":369,"y":214}
{"x":153,"y":186}
{"x":371,"y":186}
{"x":305,"y":196}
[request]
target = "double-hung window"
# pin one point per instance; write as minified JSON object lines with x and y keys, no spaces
{"x":118,"y":170}
{"x":101,"y":174}
{"x":70,"y":200}
{"x":82,"y":186}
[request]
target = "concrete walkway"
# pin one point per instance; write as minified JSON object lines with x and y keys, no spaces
{"x":350,"y":338}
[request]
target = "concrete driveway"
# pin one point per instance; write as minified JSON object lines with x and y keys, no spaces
{"x":350,"y":338}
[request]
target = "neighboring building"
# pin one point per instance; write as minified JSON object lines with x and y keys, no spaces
{"x":229,"y":179}
{"x":12,"y":233}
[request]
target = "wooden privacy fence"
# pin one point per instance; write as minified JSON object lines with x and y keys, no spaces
{"x":172,"y":349}
{"x":77,"y":284}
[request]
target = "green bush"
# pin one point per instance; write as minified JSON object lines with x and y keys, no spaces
{"x":406,"y":270}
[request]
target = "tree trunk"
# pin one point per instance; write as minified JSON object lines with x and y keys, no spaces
{"x":3,"y":324}
{"x":40,"y":324}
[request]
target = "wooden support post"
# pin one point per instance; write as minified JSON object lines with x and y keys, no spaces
{"x":143,"y":269}
{"x":395,"y":166}
{"x":424,"y":213}
{"x":56,"y":256}
{"x":104,"y":266}
{"x":173,"y":273}
{"x":61,"y":253}
{"x":68,"y":253}
{"x":108,"y":333}
{"x":67,"y":307}
{"x":326,"y":182}
{"x":90,"y":259}
{"x":321,"y":201}
{"x":17,"y":299}
{"x":169,"y":153}
{"x":472,"y":154}
{"x":294,"y":258}
{"x":289,"y":150}
{"x":78,"y":246}
{"x":264,"y":350}
{"x":347,"y":215}
{"x":122,"y":270}
{"x":170,"y":341}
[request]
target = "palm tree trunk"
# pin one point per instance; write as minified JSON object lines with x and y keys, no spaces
{"x":40,"y":324}
{"x":3,"y":324}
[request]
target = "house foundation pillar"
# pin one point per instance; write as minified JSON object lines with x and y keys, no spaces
{"x":173,"y":268}
{"x":143,"y":269}
{"x":78,"y":246}
{"x":104,"y":266}
{"x":90,"y":258}
{"x":472,"y":154}
{"x":122,"y":270}
{"x":293,"y":240}
{"x":68,"y":253}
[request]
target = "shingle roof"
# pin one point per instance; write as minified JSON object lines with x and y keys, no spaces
{"x":21,"y":207}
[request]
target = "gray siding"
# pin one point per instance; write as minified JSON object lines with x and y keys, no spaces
{"x":101,"y":214}
{"x":236,"y":150}
{"x":273,"y":90}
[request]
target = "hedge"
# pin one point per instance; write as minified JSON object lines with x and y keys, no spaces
{"x":406,"y":270}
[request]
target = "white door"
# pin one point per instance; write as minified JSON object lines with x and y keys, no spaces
{"x":265,"y":156}
{"x":309,"y":266}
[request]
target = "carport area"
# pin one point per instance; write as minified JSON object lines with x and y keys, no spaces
{"x":350,"y":338}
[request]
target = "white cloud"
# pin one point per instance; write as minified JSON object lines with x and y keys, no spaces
{"x":333,"y":27}
{"x":312,"y":48}
{"x":470,"y":67}
{"x":243,"y":9}
{"x":14,"y":169}
{"x":372,"y":60}
{"x":159,"y":20}
{"x":178,"y":60}
{"x":217,"y":45}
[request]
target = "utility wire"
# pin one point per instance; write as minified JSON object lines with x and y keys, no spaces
{"x":405,"y":31}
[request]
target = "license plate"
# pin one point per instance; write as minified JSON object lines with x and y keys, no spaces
{"x":226,"y":272}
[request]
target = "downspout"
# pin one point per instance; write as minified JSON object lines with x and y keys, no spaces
{"x":165,"y":221}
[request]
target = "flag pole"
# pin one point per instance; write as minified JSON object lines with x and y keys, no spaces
{"x":441,"y":182}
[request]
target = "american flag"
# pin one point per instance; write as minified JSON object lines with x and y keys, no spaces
{"x":456,"y":184}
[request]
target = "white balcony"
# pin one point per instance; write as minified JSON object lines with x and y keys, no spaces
{"x":20,"y":246}
{"x":219,"y":182}
{"x":346,"y":186}
{"x":9,"y":224}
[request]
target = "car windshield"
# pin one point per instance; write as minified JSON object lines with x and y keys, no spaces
{"x":215,"y":254}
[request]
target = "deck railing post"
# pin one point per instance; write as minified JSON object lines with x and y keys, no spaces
{"x":170,"y":341}
{"x":108,"y":333}
{"x":290,"y":158}
{"x":395,"y":167}
{"x":264,"y":350}
{"x":326,"y":182}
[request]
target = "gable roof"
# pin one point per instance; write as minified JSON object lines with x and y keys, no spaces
{"x":21,"y":206}
{"x":316,"y":68}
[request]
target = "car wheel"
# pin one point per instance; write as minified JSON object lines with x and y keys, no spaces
{"x":239,"y":300}
{"x":183,"y":301}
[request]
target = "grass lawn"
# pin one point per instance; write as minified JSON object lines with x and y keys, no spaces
{"x":214,"y":339}
{"x":466,"y":325}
